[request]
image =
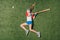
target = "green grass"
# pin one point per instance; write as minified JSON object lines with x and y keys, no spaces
{"x":48,"y":23}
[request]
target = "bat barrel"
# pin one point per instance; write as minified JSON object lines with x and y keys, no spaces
{"x":45,"y":10}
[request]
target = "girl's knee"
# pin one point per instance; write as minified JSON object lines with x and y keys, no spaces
{"x":21,"y":25}
{"x":30,"y":29}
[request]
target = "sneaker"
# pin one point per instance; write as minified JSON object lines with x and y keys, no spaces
{"x":27,"y":31}
{"x":38,"y":34}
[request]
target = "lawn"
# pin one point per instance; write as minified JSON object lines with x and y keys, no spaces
{"x":48,"y":23}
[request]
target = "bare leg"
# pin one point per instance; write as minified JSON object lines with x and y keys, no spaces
{"x":30,"y":28}
{"x":23,"y":26}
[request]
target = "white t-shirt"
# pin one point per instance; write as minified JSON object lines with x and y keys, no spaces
{"x":29,"y":18}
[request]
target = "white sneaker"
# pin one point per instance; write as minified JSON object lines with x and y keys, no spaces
{"x":27,"y":31}
{"x":38,"y":34}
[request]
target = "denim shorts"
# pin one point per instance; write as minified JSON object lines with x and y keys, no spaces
{"x":29,"y":22}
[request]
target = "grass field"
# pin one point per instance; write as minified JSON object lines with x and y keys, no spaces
{"x":48,"y":23}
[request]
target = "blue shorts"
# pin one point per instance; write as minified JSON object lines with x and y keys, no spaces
{"x":29,"y":22}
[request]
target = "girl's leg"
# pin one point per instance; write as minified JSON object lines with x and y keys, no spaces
{"x":23,"y":27}
{"x":30,"y":27}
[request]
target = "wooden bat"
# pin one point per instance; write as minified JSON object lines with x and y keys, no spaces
{"x":44,"y":10}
